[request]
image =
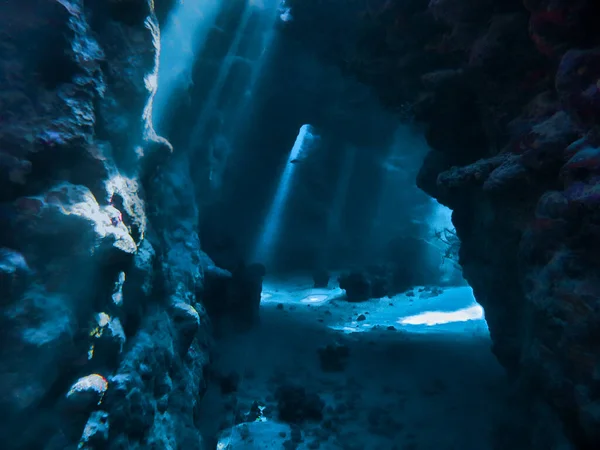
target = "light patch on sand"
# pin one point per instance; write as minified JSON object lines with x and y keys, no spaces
{"x":318,"y":298}
{"x":431,"y":318}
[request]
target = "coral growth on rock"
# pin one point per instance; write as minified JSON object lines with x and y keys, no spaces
{"x":78,"y":165}
{"x":509,"y":97}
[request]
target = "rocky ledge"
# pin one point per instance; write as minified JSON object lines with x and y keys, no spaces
{"x":508,"y":96}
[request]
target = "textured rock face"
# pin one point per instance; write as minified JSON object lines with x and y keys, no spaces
{"x":509,"y":94}
{"x":103,"y":341}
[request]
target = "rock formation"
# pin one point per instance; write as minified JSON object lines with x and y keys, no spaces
{"x":101,"y":328}
{"x":101,"y":270}
{"x":508,"y":95}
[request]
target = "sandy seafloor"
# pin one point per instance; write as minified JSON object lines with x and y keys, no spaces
{"x":430,"y":382}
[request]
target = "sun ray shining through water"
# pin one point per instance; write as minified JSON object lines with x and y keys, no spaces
{"x":268,"y":238}
{"x":182,"y":38}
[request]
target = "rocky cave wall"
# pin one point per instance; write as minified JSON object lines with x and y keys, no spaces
{"x":104,"y":343}
{"x":100,"y":265}
{"x":509,"y":96}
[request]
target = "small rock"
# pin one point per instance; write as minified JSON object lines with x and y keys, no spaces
{"x":87,"y":392}
{"x":187,"y":321}
{"x":431,"y":292}
{"x":109,"y":338}
{"x":361,"y":318}
{"x":95,"y":433}
{"x":12,"y":262}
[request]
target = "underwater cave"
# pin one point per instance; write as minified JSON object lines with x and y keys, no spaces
{"x":299,"y":224}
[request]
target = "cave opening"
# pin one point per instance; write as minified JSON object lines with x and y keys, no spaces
{"x":311,"y":212}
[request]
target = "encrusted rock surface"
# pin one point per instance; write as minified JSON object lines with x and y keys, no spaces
{"x":508,"y":94}
{"x":104,"y":344}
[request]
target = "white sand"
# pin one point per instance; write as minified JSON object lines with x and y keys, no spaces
{"x":424,"y":385}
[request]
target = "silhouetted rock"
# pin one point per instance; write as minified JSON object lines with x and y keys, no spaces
{"x":245,"y":294}
{"x":357,"y":286}
{"x":295,"y":405}
{"x":233,"y":298}
{"x":364,"y":285}
{"x":215,"y":290}
{"x":321,"y":278}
